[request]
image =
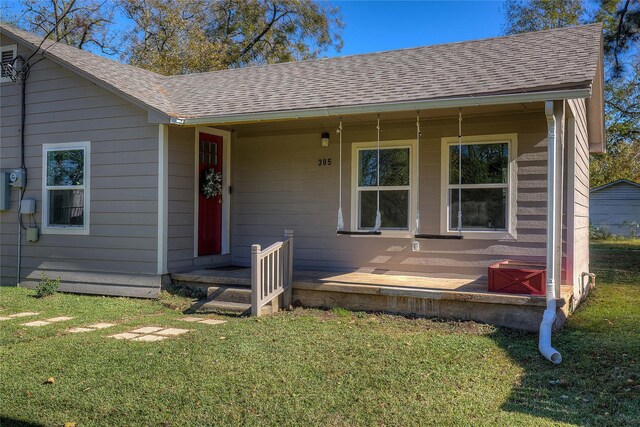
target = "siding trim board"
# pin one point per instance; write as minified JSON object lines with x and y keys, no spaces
{"x":163,"y":202}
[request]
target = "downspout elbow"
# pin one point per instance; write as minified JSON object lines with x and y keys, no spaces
{"x":544,"y":341}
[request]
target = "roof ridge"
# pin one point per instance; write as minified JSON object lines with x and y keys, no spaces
{"x":617,"y":181}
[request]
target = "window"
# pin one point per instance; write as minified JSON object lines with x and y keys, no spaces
{"x":66,"y":188}
{"x":7,"y":53}
{"x":396,"y":199}
{"x":485,"y":186}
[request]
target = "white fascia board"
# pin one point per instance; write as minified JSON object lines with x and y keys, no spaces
{"x":470,"y":101}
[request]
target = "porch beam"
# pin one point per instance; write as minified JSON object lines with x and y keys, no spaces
{"x":467,"y":101}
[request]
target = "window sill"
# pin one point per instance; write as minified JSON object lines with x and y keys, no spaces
{"x":84,"y":231}
{"x":396,"y":234}
{"x":484,"y":235}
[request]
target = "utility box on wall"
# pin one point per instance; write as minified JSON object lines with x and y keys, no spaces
{"x":5,"y":191}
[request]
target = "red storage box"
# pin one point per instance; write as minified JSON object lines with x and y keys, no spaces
{"x":517,"y":278}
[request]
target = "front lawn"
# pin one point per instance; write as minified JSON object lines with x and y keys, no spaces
{"x":310,"y":367}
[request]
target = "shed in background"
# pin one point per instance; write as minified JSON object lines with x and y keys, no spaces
{"x":615,"y":207}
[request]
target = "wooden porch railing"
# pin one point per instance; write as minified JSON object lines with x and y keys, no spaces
{"x":271,"y":273}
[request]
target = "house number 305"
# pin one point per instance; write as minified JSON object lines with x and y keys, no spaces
{"x":324,"y":162}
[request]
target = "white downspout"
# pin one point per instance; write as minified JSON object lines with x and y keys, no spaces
{"x":546,"y":326}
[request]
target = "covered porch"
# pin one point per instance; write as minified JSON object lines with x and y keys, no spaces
{"x":427,"y":261}
{"x":229,"y":289}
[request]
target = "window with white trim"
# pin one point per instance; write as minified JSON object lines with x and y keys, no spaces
{"x":66,"y":188}
{"x":7,"y":54}
{"x":483,"y":180}
{"x":396,"y":185}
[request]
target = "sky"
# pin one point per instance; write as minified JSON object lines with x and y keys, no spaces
{"x":372,"y":26}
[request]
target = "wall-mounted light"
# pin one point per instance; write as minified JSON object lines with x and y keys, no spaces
{"x":325,"y":139}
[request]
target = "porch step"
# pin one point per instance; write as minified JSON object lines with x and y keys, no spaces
{"x":229,"y":293}
{"x":226,"y":291}
{"x":237,"y":276}
{"x":206,"y":306}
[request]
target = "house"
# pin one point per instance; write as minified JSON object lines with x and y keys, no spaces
{"x":118,"y":159}
{"x":615,"y":208}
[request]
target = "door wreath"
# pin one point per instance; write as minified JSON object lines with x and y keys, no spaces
{"x":212,"y":184}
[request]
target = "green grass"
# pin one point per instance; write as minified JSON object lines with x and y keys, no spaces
{"x":312,"y":367}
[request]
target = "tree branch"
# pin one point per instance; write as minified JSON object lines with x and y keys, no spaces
{"x":274,"y":18}
{"x":616,"y":48}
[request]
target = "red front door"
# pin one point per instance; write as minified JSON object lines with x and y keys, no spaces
{"x":209,"y":209}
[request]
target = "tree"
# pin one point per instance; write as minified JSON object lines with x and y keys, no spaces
{"x":523,"y":16}
{"x":84,"y":24}
{"x":621,"y":20}
{"x":624,"y":163}
{"x":184,"y":36}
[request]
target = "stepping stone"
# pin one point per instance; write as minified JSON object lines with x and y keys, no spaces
{"x":213,"y":322}
{"x":4,"y":318}
{"x":191,"y":319}
{"x":75,"y":330}
{"x":147,"y":330}
{"x":124,"y":336}
{"x":37,"y":323}
{"x":24,"y":314}
{"x":101,"y":325}
{"x":149,"y":338}
{"x":172,"y":331}
{"x":59,"y":319}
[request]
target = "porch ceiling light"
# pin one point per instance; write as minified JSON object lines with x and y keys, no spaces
{"x":325,"y":139}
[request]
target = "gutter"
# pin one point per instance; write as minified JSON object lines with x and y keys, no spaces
{"x":549,"y":316}
{"x":467,"y":101}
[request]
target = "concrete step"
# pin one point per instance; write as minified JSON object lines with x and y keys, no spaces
{"x":227,"y":307}
{"x":229,"y":293}
{"x":239,"y":277}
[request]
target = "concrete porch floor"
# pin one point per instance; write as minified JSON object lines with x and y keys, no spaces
{"x":394,"y":292}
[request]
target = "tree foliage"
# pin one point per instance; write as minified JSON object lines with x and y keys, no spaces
{"x":621,"y":21}
{"x":84,"y":24}
{"x":524,"y":16}
{"x":183,"y":36}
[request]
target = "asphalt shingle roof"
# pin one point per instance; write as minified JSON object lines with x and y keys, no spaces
{"x":133,"y":82}
{"x":545,"y":60}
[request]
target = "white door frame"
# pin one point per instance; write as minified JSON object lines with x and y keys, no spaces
{"x":226,"y":180}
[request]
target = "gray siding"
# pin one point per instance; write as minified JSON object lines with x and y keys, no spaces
{"x":181,"y":193}
{"x":277,"y":185}
{"x":579,"y":262}
{"x":612,"y":206}
{"x":121,"y":249}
